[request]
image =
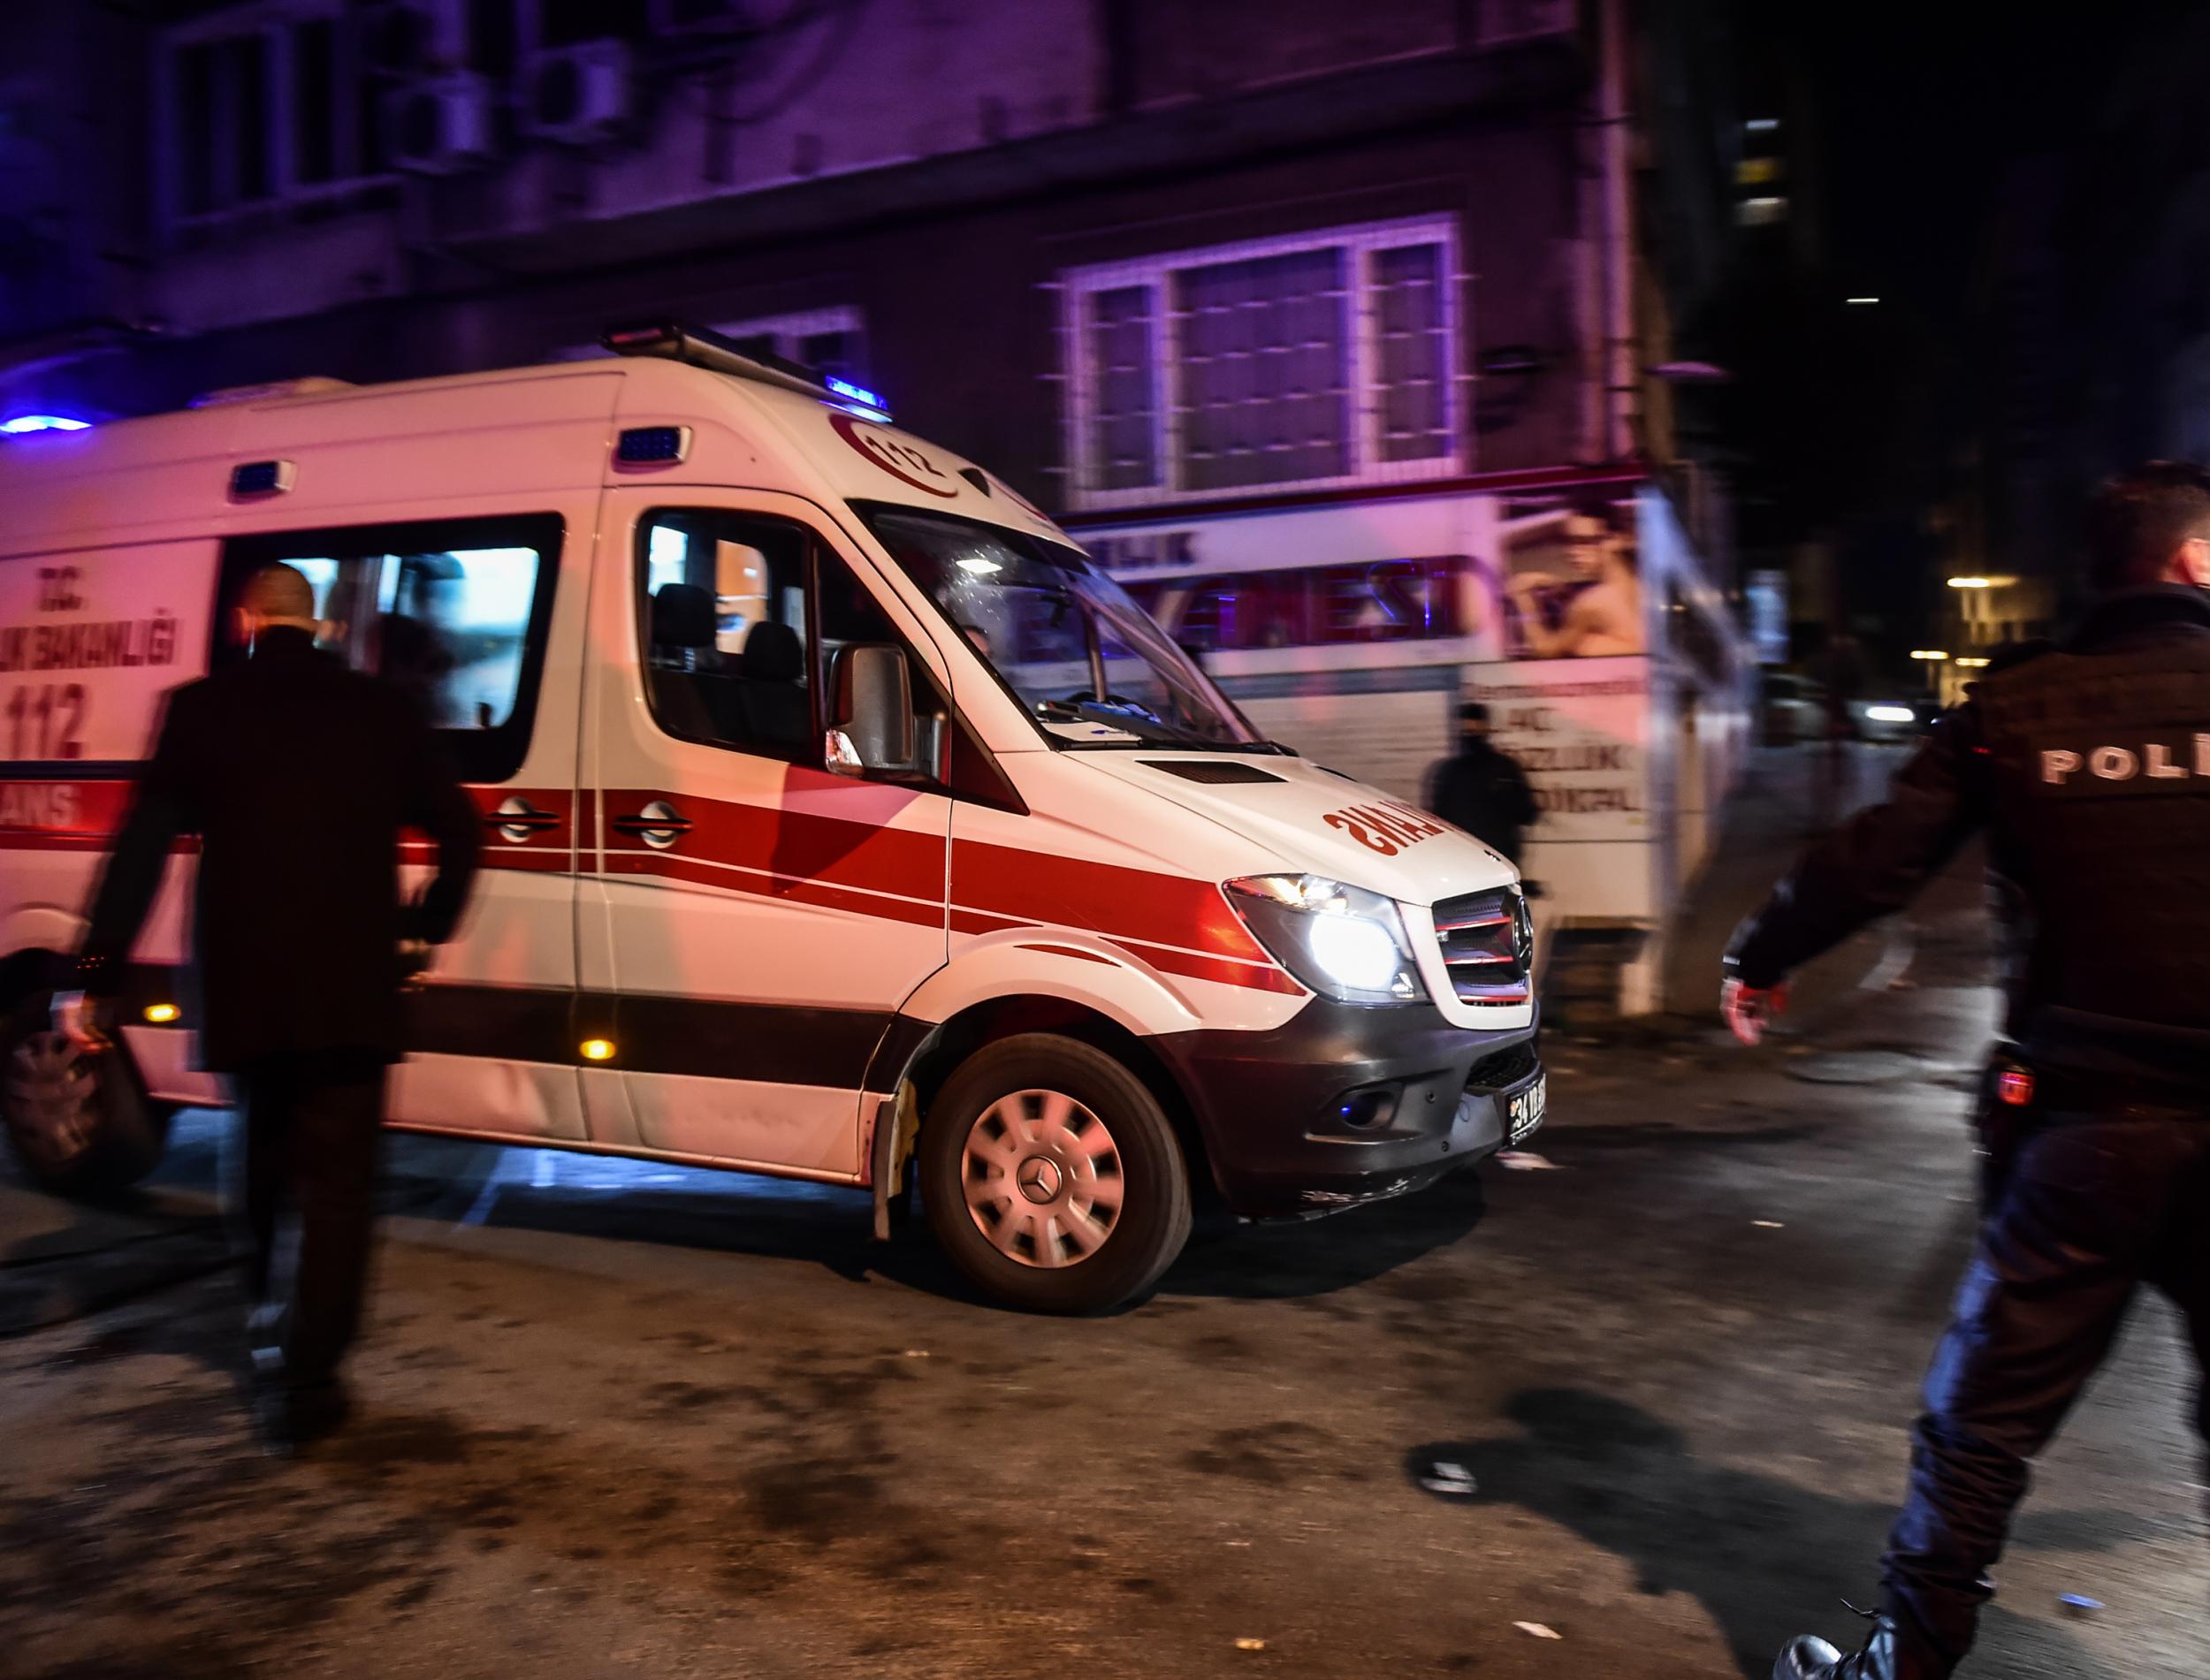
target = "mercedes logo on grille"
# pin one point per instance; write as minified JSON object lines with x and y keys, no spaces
{"x":1522,"y":933}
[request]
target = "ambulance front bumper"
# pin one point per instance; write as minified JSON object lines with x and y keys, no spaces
{"x":1343,"y":1106}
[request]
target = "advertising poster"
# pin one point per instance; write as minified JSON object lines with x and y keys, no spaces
{"x":1572,"y":588}
{"x":1579,"y":728}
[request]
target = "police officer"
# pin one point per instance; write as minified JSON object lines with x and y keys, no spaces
{"x":299,"y":776}
{"x":2088,"y":765}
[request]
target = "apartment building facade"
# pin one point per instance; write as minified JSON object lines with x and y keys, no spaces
{"x":1338,"y":333}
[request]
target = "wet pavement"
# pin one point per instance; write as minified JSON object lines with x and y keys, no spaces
{"x":621,"y":1420}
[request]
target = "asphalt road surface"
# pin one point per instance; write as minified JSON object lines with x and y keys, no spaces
{"x":631,"y":1421}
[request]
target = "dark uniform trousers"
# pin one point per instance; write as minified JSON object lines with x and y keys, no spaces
{"x":311,"y":1128}
{"x":2095,"y":1203}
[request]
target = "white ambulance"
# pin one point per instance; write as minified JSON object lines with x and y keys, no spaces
{"x":844,"y":822}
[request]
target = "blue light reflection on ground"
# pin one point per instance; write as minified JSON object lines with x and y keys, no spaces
{"x":463,"y":1187}
{"x":566,"y":1173}
{"x":199,"y":1138}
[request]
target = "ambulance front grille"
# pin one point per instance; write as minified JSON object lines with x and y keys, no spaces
{"x":1488,"y":945}
{"x":1505,"y":1069}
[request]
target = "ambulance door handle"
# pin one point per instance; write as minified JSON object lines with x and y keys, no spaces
{"x":656,"y":824}
{"x":516,"y":820}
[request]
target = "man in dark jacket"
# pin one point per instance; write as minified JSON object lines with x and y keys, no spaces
{"x":300,"y":776}
{"x":2088,"y":767}
{"x":1483,"y":790}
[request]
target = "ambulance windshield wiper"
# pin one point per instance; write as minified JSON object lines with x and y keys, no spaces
{"x":1146,"y":728}
{"x":1134,"y":720}
{"x":1129,"y":719}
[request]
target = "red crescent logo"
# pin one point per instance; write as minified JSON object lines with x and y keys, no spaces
{"x":901,"y":460}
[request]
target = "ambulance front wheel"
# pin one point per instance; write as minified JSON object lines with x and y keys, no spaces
{"x":1052,"y":1178}
{"x":77,"y":1125}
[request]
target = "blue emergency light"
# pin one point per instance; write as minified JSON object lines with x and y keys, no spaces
{"x":859,"y":394}
{"x":18,"y":425}
{"x":653,"y":445}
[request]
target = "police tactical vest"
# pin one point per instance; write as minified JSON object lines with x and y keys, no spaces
{"x":2101,"y":767}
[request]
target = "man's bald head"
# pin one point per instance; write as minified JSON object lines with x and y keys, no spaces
{"x":276,"y":598}
{"x":280,"y":595}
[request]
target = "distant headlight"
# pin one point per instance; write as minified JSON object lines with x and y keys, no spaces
{"x":1890,"y":714}
{"x":1343,"y":941}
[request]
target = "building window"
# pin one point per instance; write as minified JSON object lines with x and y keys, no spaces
{"x":1264,"y":374}
{"x":1411,"y":600}
{"x":1124,"y":418}
{"x":274,"y":103}
{"x":1412,"y":347}
{"x":1325,"y":360}
{"x":570,"y":23}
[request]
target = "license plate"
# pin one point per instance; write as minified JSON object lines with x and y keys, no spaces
{"x":1524,"y":1111}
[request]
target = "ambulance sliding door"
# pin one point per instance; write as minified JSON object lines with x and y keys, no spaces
{"x":463,"y":611}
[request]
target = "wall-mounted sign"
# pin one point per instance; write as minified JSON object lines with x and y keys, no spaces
{"x":1580,"y":728}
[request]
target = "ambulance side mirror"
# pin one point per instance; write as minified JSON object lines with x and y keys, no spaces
{"x":871,"y":718}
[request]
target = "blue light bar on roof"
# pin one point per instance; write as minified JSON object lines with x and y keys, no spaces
{"x":18,"y":425}
{"x":859,"y":394}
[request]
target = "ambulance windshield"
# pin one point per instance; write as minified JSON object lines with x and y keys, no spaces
{"x":1091,"y":666}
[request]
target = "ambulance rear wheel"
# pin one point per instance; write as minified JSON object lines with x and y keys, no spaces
{"x":1052,"y":1178}
{"x":77,"y":1125}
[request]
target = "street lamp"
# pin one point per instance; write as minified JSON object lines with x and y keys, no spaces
{"x":1930,"y":655}
{"x":1969,"y":665}
{"x":1981,"y":582}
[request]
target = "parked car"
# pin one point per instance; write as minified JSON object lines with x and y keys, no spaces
{"x":1891,"y":720}
{"x":1794,"y":709}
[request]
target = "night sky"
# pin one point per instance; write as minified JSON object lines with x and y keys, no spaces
{"x":1902,"y":120}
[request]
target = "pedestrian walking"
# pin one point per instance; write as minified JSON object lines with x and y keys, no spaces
{"x":1480,"y":788}
{"x":299,"y":776}
{"x":2087,"y":765}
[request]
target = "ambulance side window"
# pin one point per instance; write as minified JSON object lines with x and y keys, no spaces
{"x":455,"y":611}
{"x":848,"y":615}
{"x":721,"y":600}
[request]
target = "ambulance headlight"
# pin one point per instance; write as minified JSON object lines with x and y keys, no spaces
{"x":1343,"y":941}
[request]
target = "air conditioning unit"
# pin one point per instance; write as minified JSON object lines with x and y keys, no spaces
{"x":440,"y":126}
{"x":1503,"y":23}
{"x":701,"y":17}
{"x":393,"y":37}
{"x":576,"y":95}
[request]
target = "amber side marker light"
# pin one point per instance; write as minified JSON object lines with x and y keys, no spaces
{"x":598,"y":1049}
{"x":161,"y":1014}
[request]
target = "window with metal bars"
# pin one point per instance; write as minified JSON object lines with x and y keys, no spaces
{"x":1327,"y":359}
{"x":279,"y":102}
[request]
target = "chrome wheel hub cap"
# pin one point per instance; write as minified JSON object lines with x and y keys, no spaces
{"x":49,"y":1099}
{"x":1042,"y":1178}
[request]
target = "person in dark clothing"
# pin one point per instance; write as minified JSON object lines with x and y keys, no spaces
{"x":2087,"y":765}
{"x":300,"y":776}
{"x":1482,"y":790}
